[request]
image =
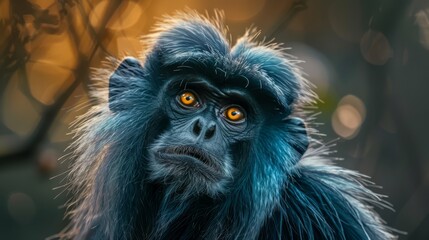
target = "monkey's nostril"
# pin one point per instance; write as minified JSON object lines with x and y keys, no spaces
{"x":197,"y":128}
{"x":210,"y":132}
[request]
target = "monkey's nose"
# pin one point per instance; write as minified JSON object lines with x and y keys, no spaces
{"x":201,"y":128}
{"x":197,"y":128}
{"x":210,"y":131}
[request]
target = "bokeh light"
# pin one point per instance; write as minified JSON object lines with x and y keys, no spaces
{"x":47,"y":160}
{"x":375,"y":47}
{"x":348,"y":116}
{"x":317,"y":67}
{"x":422,"y":20}
{"x":21,"y":207}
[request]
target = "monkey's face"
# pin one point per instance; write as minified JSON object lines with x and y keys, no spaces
{"x":196,"y":150}
{"x":227,"y":110}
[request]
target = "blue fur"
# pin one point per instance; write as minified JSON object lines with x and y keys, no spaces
{"x":276,"y":193}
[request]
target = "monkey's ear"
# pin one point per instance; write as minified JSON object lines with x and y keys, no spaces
{"x":300,"y":138}
{"x":119,"y":81}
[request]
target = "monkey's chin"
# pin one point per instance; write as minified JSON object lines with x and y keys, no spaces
{"x":191,"y":174}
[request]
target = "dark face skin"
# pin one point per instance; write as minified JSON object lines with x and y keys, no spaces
{"x":205,"y":123}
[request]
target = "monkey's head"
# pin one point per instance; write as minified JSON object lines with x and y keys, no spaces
{"x":203,"y":139}
{"x":215,"y":115}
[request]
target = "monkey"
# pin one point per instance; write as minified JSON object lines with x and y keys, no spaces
{"x":203,"y":139}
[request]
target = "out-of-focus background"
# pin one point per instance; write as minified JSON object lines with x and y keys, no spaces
{"x":369,"y":61}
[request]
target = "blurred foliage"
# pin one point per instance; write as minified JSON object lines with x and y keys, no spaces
{"x":367,"y":59}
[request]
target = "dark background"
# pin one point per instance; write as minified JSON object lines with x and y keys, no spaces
{"x":368,"y":59}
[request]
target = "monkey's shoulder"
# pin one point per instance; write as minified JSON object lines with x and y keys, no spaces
{"x":323,"y":201}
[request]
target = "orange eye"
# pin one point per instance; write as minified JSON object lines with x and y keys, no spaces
{"x":188,"y":99}
{"x":234,"y":114}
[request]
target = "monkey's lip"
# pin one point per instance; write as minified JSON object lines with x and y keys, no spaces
{"x":189,"y":155}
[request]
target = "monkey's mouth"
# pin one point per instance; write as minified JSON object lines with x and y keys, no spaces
{"x":190,"y":157}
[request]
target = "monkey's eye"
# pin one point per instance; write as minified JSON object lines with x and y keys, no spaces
{"x":188,"y":99}
{"x":234,"y":114}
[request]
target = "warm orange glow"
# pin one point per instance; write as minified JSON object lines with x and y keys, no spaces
{"x":47,"y":80}
{"x":74,"y":107}
{"x":44,"y":4}
{"x":126,"y":16}
{"x":128,"y":46}
{"x":18,"y":112}
{"x":4,"y":10}
{"x":97,"y":13}
{"x":58,"y":50}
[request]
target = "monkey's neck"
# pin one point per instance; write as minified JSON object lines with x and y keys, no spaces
{"x":166,"y":214}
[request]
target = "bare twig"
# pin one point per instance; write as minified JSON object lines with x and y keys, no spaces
{"x":82,"y":71}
